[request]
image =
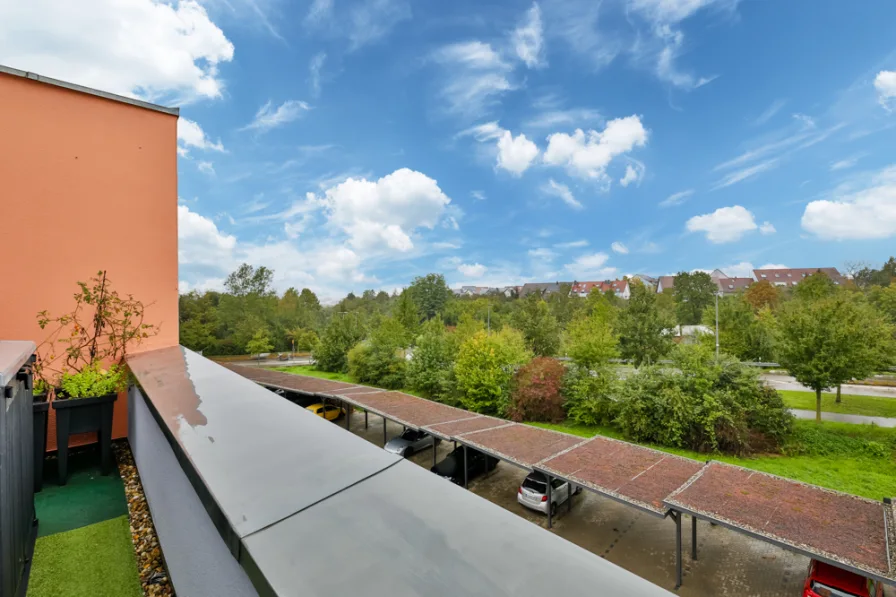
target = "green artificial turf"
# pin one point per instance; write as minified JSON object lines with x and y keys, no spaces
{"x":856,"y":459}
{"x":87,"y":498}
{"x":92,"y":561}
{"x":871,"y":406}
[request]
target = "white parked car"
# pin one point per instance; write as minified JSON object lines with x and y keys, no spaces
{"x":409,"y":443}
{"x":533,"y":493}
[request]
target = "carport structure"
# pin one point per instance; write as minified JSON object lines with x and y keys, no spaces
{"x":630,"y":474}
{"x":843,"y":530}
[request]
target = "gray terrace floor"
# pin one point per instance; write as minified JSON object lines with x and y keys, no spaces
{"x":728,"y":563}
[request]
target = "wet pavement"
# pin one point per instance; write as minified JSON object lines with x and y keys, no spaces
{"x":841,"y":418}
{"x":728,"y":563}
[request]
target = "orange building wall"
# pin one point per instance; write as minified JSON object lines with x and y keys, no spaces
{"x":86,"y":184}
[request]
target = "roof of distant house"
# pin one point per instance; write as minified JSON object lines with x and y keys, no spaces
{"x":793,"y":275}
{"x":546,"y":287}
{"x":729,"y":285}
{"x":617,"y":286}
{"x":666,"y":282}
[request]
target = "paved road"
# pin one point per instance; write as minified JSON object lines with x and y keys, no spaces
{"x":785,"y":382}
{"x":841,"y":418}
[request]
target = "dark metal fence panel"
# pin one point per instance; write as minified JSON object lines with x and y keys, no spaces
{"x":17,"y":529}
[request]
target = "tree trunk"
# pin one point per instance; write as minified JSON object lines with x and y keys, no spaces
{"x":838,"y":393}
{"x":818,"y":406}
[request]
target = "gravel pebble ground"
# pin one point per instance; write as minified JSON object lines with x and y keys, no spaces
{"x":153,"y":574}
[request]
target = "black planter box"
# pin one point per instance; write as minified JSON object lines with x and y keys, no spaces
{"x":40,"y":407}
{"x":82,"y":415}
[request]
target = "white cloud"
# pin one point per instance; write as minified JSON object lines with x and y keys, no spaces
{"x":555,"y":189}
{"x":773,"y":266}
{"x":515,"y":154}
{"x":472,"y":270}
{"x":845,"y":163}
{"x":528,"y":39}
{"x":268,"y":117}
{"x":206,"y":167}
{"x":319,"y":11}
{"x":806,"y":122}
{"x":371,"y":20}
{"x":192,"y":135}
{"x":769,"y":112}
{"x":199,"y":242}
{"x":676,"y":198}
{"x":744,"y":269}
{"x":587,"y":156}
{"x":591,"y":266}
{"x":745,"y":173}
{"x":634,"y":173}
{"x":314,"y":68}
{"x":555,"y":118}
{"x":885,"y":83}
{"x":724,"y":225}
{"x":866,"y":214}
{"x":385,"y":213}
{"x":620,"y":248}
{"x":572,"y":244}
{"x":475,"y":77}
{"x":767,"y":228}
{"x":154,"y":50}
{"x":478,"y":195}
{"x":542,"y":253}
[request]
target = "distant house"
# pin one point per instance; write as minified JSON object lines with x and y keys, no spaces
{"x":545,"y":288}
{"x":729,"y":285}
{"x":790,"y":277}
{"x":688,"y":334}
{"x":619,"y":287}
{"x":665,"y":283}
{"x":511,"y":291}
{"x":648,"y":281}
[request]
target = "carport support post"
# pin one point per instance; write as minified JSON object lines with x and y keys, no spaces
{"x":676,"y":516}
{"x":568,"y":496}
{"x":693,"y":537}
{"x":365,"y":419}
{"x":434,"y":451}
{"x":465,"y":466}
{"x":348,"y":415}
{"x":384,"y":431}
{"x":550,"y":503}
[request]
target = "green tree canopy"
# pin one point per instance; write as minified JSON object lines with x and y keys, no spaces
{"x":484,"y":369}
{"x":590,"y":341}
{"x":431,"y":370}
{"x":340,"y":335}
{"x":643,"y":328}
{"x":259,"y":343}
{"x":250,"y":280}
{"x":430,"y":293}
{"x":538,"y":325}
{"x":814,"y":287}
{"x":408,"y":315}
{"x":693,"y":293}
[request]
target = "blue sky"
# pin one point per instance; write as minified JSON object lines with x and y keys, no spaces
{"x":352,"y":144}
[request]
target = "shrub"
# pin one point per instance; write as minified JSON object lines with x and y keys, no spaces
{"x":379,"y":360}
{"x":431,"y":369}
{"x":93,"y":380}
{"x":537,"y":392}
{"x":590,"y":341}
{"x":703,"y":405}
{"x":538,"y":325}
{"x":590,"y":395}
{"x":341,"y":334}
{"x":484,"y":369}
{"x":306,"y":340}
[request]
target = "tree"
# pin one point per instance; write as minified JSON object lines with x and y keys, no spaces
{"x":407,"y":313}
{"x":484,"y":369}
{"x":198,"y":321}
{"x":693,"y":293}
{"x":250,"y":280}
{"x":430,"y":293}
{"x":603,"y":305}
{"x":260,"y":343}
{"x":536,"y":394}
{"x":431,"y":369}
{"x":303,"y":339}
{"x":742,"y":333}
{"x":379,"y":360}
{"x":590,"y":341}
{"x":762,"y":294}
{"x":865,"y":276}
{"x":642,"y":328}
{"x":539,"y":326}
{"x":564,"y":305}
{"x":340,"y":335}
{"x":814,"y":287}
{"x":884,"y":300}
{"x":828,"y":341}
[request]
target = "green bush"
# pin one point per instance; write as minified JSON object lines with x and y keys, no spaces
{"x":431,"y":369}
{"x":537,"y":392}
{"x":380,"y":360}
{"x":703,"y":405}
{"x":341,"y":334}
{"x":484,"y":369}
{"x":591,"y":395}
{"x":93,"y":381}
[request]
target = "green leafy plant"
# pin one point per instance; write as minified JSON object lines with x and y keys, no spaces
{"x":40,"y":387}
{"x":536,"y":394}
{"x":93,"y":380}
{"x":97,"y":332}
{"x":484,"y":369}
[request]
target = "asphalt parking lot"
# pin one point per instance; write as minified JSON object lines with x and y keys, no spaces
{"x":728,"y":563}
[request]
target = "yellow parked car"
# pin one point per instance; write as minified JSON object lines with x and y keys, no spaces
{"x":327,"y":411}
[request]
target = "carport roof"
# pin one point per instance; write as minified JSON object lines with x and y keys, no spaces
{"x":629,"y":473}
{"x":288,"y":381}
{"x":405,"y":409}
{"x":468,"y":423}
{"x":522,"y":445}
{"x":842,"y":529}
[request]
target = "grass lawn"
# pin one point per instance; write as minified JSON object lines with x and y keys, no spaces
{"x":310,"y":371}
{"x":872,"y":406}
{"x":857,"y":459}
{"x":93,"y":561}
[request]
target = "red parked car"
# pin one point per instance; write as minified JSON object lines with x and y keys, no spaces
{"x":825,"y":580}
